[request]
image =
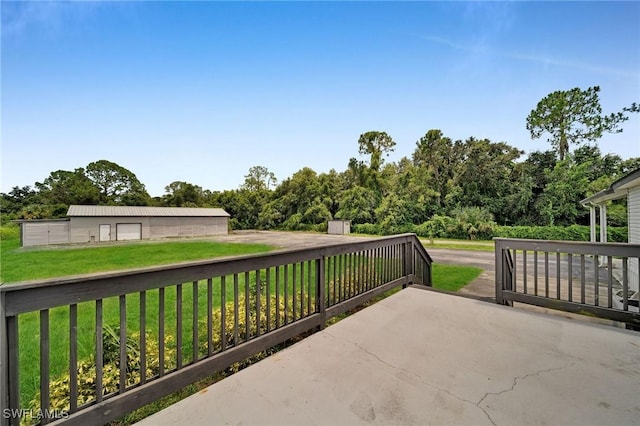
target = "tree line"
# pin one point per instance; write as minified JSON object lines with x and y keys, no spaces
{"x":461,"y":187}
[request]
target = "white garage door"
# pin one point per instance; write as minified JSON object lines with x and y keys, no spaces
{"x":128,"y":231}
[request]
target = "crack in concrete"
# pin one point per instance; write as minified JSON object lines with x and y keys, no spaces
{"x":516,"y":380}
{"x":404,"y":370}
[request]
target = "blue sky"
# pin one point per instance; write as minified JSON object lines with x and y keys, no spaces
{"x":202,"y":91}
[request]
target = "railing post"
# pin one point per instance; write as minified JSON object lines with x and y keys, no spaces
{"x":408,"y":262}
{"x":9,"y":379}
{"x":321,"y":291}
{"x":499,"y":271}
{"x":508,"y":282}
{"x":4,"y":364}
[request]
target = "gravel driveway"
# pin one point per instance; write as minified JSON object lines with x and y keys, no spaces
{"x":287,"y":240}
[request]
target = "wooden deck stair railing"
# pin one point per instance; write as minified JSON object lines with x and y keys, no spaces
{"x":579,"y":277}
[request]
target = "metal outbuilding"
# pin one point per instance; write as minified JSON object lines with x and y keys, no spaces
{"x":339,"y":227}
{"x":88,"y":223}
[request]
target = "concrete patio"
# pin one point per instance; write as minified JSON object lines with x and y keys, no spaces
{"x":421,"y":357}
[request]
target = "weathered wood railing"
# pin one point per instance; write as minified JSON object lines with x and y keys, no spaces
{"x":179,"y":323}
{"x":599,"y":279}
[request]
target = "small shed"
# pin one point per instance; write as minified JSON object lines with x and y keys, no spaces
{"x":339,"y":227}
{"x":90,"y":223}
{"x":627,"y":187}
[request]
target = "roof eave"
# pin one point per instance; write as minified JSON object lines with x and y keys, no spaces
{"x":617,"y":190}
{"x":629,"y":181}
{"x":598,"y":197}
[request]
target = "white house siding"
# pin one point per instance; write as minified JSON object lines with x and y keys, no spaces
{"x":633,"y":208}
{"x":634,"y":215}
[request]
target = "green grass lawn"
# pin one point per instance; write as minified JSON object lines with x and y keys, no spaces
{"x":453,"y":277}
{"x":474,"y":245}
{"x":35,"y":263}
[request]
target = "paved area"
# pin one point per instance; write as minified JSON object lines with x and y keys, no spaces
{"x":288,"y":240}
{"x":421,"y":357}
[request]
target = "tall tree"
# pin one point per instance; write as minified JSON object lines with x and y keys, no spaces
{"x":116,"y":184}
{"x":415,"y":186}
{"x":357,"y":204}
{"x":183,"y":194}
{"x":299,"y":192}
{"x":331,"y":185}
{"x":573,"y":117}
{"x":259,"y":178}
{"x":440,"y":157}
{"x":65,"y":187}
{"x":375,"y":144}
{"x":486,"y":177}
{"x":16,"y":200}
{"x":559,"y":203}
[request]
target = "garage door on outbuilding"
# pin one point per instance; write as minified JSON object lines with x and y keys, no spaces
{"x":128,"y":231}
{"x":125,"y":223}
{"x":99,"y":224}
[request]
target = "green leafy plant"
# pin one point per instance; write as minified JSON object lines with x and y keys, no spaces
{"x":59,"y":388}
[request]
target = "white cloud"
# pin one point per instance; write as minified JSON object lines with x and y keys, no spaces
{"x":48,"y":16}
{"x":482,"y":49}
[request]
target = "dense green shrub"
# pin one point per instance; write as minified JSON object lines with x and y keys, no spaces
{"x":9,"y":231}
{"x":436,"y":227}
{"x":448,"y":227}
{"x":366,"y":228}
{"x":618,"y":234}
{"x":468,"y":223}
{"x":59,"y":388}
{"x":234,"y":224}
{"x":567,"y":233}
{"x":294,"y":223}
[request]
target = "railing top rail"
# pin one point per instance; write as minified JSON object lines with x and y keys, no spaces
{"x":423,"y":252}
{"x":28,"y":296}
{"x":567,"y":242}
{"x":574,"y":247}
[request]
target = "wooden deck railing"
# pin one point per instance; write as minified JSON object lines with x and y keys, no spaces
{"x":86,"y":350}
{"x":599,"y":279}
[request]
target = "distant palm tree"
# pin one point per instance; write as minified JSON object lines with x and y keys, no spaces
{"x":474,"y":221}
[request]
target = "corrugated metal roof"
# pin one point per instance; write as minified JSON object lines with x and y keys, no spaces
{"x":76,"y":210}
